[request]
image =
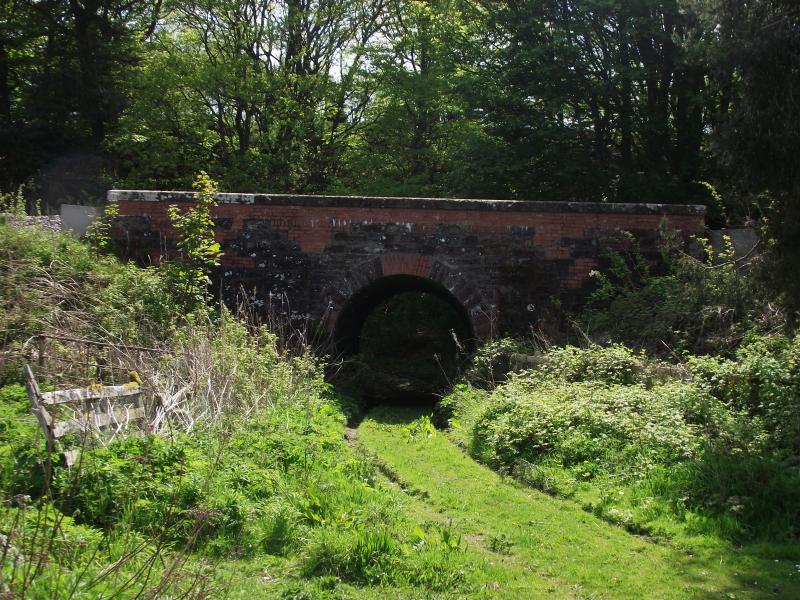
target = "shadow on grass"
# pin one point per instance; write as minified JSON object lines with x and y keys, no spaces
{"x":713,"y":565}
{"x":401,"y":414}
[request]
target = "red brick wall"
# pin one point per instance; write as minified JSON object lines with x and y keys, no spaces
{"x":313,"y":228}
{"x":504,"y":260}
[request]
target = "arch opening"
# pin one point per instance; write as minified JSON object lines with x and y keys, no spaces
{"x":409,"y":332}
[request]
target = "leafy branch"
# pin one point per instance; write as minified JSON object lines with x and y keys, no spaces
{"x":199,"y":252}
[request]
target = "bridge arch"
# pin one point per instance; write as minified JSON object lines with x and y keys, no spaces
{"x":353,"y":315}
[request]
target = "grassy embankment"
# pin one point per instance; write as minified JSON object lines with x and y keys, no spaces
{"x":539,"y":546}
{"x":246,"y":488}
{"x":249,"y":489}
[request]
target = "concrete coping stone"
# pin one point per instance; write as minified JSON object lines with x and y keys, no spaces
{"x":413,"y":203}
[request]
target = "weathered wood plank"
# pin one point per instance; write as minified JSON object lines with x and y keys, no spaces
{"x":44,"y":418}
{"x":84,"y":394}
{"x":100,"y":409}
{"x":98,"y":421}
{"x":31,"y":385}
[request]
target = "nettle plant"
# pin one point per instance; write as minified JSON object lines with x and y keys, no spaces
{"x":199,"y":251}
{"x":14,"y":203}
{"x":98,"y":234}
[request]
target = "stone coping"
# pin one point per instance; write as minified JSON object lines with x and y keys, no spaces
{"x":414,"y":203}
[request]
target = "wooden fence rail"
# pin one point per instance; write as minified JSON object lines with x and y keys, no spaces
{"x":96,"y":413}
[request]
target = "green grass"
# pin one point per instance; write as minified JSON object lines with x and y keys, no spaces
{"x":539,"y":546}
{"x":705,"y":451}
{"x":264,"y":497}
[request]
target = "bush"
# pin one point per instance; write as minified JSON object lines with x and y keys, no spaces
{"x":53,"y":283}
{"x":760,"y":495}
{"x":763,"y":383}
{"x":712,"y":444}
{"x":626,"y":429}
{"x":615,"y":364}
{"x":490,"y":363}
{"x":697,"y":305}
{"x":22,"y":450}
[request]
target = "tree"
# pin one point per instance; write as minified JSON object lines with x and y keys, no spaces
{"x":190,"y":273}
{"x":424,"y":132}
{"x":64,"y":72}
{"x":759,"y":141}
{"x":269,"y":92}
{"x":599,"y":99}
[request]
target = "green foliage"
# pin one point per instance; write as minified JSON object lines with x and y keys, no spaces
{"x":46,"y":553}
{"x":597,"y":100}
{"x":199,"y":252}
{"x":461,"y":406}
{"x":362,"y":556}
{"x":431,"y":558}
{"x":624,"y":428}
{"x":22,"y":451}
{"x":703,"y":192}
{"x":705,"y":304}
{"x":490,"y":362}
{"x":422,"y":428}
{"x":98,"y":235}
{"x":500,"y":543}
{"x":14,"y":203}
{"x":614,"y":364}
{"x":763,"y":382}
{"x":53,"y":281}
{"x":710,"y":447}
{"x":756,"y":55}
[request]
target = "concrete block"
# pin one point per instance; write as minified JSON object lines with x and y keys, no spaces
{"x":77,"y":218}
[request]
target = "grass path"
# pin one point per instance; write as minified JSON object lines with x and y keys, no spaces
{"x":536,"y":546}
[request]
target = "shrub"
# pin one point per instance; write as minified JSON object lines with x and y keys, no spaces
{"x":624,"y":428}
{"x":490,"y":363}
{"x":22,"y":450}
{"x":190,"y":274}
{"x":224,"y":368}
{"x":14,"y":203}
{"x":705,"y":304}
{"x":714,"y":448}
{"x":759,"y":495}
{"x":53,"y":283}
{"x":763,"y":383}
{"x":615,"y":364}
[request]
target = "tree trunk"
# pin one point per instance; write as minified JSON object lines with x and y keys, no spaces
{"x":625,"y":108}
{"x":5,"y":89}
{"x":85,"y":39}
{"x":690,"y":87}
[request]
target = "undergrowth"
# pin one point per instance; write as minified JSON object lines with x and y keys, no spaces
{"x":693,"y":300}
{"x":245,"y":459}
{"x":708,"y":446}
{"x":714,"y":453}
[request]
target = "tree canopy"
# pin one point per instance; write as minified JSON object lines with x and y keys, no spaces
{"x":587,"y":100}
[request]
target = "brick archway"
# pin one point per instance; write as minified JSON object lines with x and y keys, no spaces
{"x":383,"y":277}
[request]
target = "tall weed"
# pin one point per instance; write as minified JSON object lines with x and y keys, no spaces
{"x":706,"y":303}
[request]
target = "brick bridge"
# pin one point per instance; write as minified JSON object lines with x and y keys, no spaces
{"x":501,"y":264}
